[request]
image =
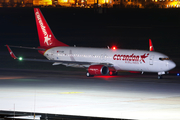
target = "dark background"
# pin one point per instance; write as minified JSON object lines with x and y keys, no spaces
{"x":125,"y":28}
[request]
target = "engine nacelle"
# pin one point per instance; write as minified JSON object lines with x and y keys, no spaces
{"x":98,"y":70}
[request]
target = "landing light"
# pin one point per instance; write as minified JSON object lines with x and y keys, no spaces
{"x":20,"y":58}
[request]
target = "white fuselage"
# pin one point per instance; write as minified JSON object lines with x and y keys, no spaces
{"x":121,"y":59}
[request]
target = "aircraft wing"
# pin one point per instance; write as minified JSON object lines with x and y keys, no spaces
{"x":26,"y":47}
{"x":55,"y":62}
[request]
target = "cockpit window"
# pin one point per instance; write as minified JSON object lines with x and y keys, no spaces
{"x":163,"y":58}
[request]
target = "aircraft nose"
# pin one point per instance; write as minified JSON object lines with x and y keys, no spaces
{"x":171,"y":65}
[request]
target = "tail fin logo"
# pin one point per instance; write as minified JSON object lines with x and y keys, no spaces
{"x":47,"y":38}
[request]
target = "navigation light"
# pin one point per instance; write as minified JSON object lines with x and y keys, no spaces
{"x":20,"y":58}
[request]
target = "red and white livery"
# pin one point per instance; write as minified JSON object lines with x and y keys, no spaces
{"x":97,"y":61}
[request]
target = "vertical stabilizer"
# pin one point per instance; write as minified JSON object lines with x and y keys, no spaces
{"x":151,"y":48}
{"x":46,"y":37}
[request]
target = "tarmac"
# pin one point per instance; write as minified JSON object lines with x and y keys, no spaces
{"x":126,"y":96}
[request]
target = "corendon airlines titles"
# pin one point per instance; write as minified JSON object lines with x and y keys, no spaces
{"x":43,"y":28}
{"x":131,"y":58}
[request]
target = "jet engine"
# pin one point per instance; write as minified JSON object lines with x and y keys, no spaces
{"x":97,"y":70}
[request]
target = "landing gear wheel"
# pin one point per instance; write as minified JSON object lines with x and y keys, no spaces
{"x":116,"y":73}
{"x":113,"y":73}
{"x":88,"y":75}
{"x":159,"y":76}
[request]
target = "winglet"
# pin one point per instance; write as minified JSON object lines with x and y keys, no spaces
{"x":151,"y":48}
{"x":11,"y":53}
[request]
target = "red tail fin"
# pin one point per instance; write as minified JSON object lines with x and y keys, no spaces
{"x":151,"y":48}
{"x":46,"y":37}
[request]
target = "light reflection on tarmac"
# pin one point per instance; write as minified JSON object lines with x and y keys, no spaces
{"x":129,"y":96}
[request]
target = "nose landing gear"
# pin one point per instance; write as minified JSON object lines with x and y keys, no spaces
{"x":160,"y":74}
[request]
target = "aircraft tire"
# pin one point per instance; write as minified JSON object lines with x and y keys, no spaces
{"x":116,"y":73}
{"x":88,"y":75}
{"x":159,"y":76}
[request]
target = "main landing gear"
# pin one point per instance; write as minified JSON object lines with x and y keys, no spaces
{"x":110,"y":73}
{"x":89,"y":75}
{"x":113,"y":73}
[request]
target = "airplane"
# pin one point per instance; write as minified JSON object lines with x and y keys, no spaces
{"x":97,"y":61}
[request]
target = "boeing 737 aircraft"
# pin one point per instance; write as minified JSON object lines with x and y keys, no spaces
{"x":97,"y":61}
